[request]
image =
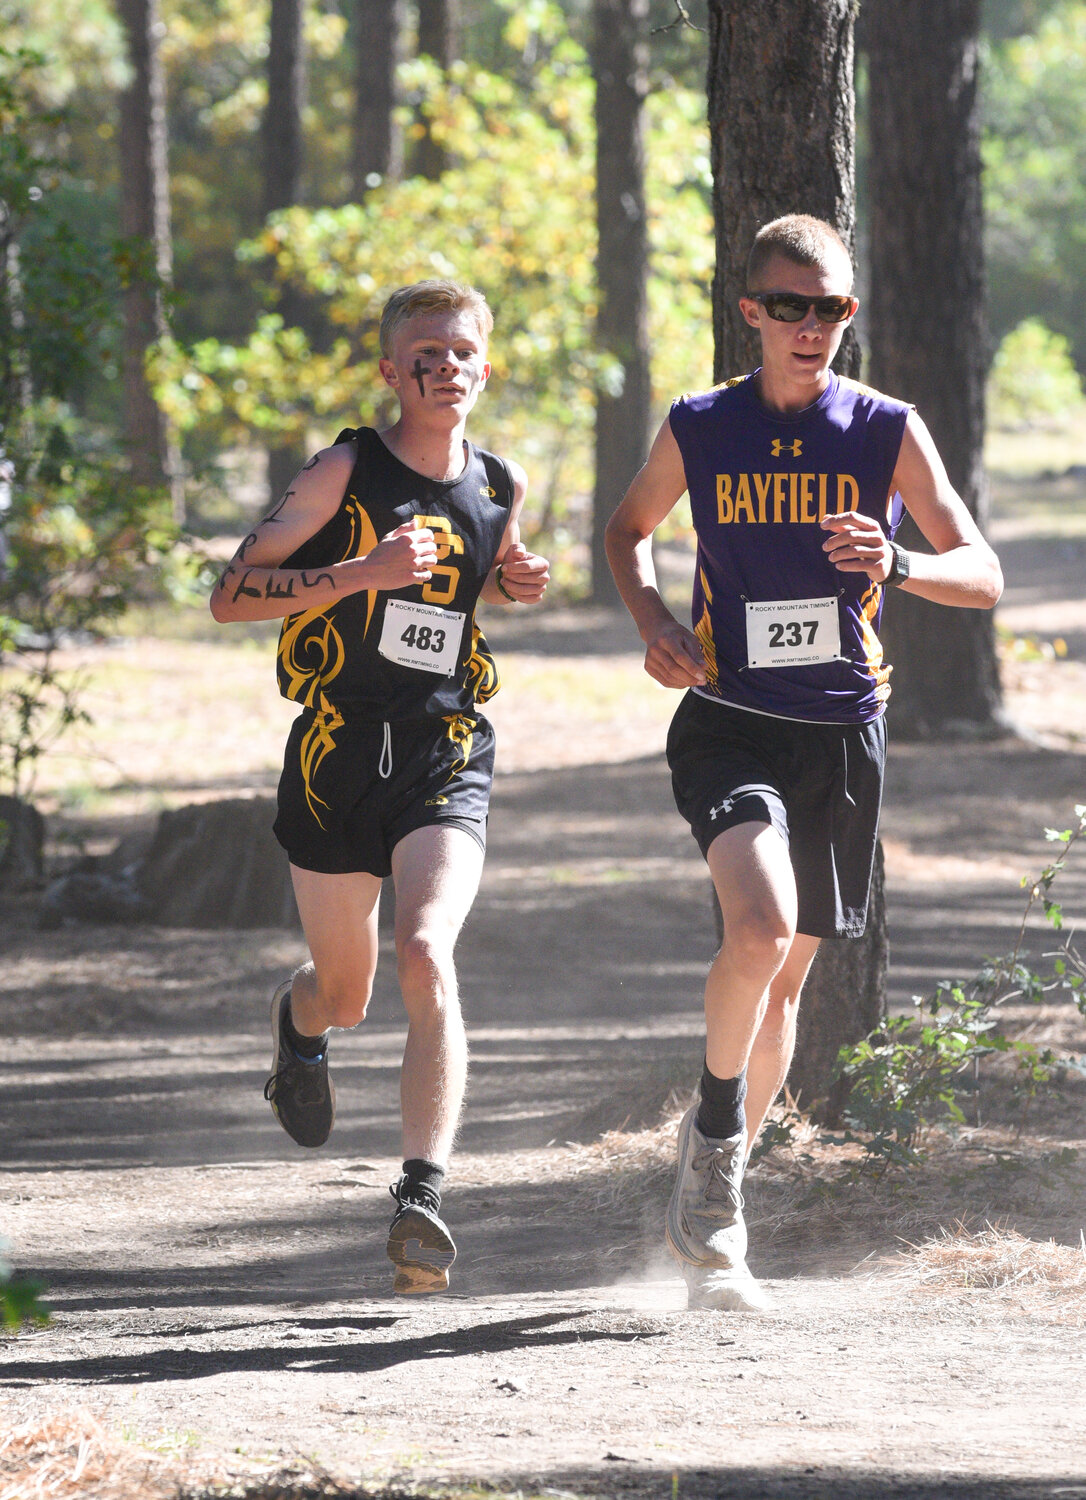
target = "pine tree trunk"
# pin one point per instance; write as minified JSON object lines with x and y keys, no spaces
{"x":439,"y":38}
{"x":928,"y":329}
{"x":145,"y":225}
{"x":782,"y":125}
{"x":376,"y":144}
{"x":619,"y":57}
{"x":281,"y":132}
{"x":782,"y":129}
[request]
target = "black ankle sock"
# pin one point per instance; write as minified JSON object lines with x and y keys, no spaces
{"x":305,"y":1046}
{"x":421,"y":1182}
{"x":721,"y":1113}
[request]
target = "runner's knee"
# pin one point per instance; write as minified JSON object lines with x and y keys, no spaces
{"x":344,"y":1000}
{"x":425,"y":966}
{"x":757,"y":942}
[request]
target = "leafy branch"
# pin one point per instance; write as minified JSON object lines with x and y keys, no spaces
{"x":914,"y":1070}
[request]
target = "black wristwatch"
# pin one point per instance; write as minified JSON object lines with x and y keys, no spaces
{"x":899,"y":568}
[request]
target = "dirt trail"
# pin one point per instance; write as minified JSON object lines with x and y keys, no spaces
{"x":223,"y":1297}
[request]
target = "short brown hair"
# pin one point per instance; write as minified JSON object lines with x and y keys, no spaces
{"x":428,"y":297}
{"x":800,"y":238}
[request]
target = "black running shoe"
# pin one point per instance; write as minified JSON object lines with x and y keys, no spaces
{"x":419,"y":1244}
{"x":299,"y":1090}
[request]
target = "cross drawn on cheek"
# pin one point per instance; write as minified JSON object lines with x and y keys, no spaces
{"x":418,"y":371}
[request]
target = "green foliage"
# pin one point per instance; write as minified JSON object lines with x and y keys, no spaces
{"x":1035,"y":175}
{"x":513,"y":215}
{"x":74,"y":533}
{"x":913,"y":1071}
{"x":1033,"y":380}
{"x":20,"y":1300}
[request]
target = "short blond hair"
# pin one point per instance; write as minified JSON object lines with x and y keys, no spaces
{"x":800,"y":238}
{"x":429,"y":297}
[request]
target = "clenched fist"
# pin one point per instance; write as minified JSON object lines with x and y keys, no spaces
{"x":524,"y":575}
{"x":403,"y":557}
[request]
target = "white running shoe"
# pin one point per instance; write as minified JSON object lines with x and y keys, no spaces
{"x":705,"y":1229}
{"x":731,"y":1290}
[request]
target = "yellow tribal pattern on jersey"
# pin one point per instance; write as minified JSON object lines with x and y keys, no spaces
{"x":872,"y":646}
{"x":311,"y":653}
{"x":311,"y":657}
{"x":704,"y":632}
{"x":483,"y":678}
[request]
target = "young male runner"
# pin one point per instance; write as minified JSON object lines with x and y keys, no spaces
{"x":796,"y":481}
{"x":375,"y":559}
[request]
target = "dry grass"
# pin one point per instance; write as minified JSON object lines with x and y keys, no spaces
{"x":70,"y":1454}
{"x":1036,"y":1275}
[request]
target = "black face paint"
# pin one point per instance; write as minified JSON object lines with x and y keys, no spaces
{"x":419,"y":371}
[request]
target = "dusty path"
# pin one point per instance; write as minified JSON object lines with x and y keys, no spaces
{"x":224,"y":1297}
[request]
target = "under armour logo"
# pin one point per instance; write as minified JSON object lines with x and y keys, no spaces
{"x":795,"y":448}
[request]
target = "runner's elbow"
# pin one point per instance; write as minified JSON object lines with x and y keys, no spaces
{"x":221,"y":610}
{"x":992,"y":583}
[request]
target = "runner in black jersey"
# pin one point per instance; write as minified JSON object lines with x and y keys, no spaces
{"x":796,"y":483}
{"x":375,"y":560}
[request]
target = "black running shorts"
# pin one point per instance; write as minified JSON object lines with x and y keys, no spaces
{"x":818,"y":785}
{"x":351,"y":790}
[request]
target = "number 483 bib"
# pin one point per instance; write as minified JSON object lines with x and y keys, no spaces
{"x":792,"y":632}
{"x":421,"y":636}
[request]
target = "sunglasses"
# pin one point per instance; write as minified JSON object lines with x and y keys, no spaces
{"x":790,"y":307}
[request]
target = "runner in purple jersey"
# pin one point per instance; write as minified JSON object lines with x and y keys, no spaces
{"x":797,"y":481}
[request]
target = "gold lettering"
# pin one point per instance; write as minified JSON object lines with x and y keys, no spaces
{"x":846,"y":485}
{"x":792,"y":513}
{"x":779,"y":481}
{"x":724,"y":509}
{"x":742,"y":498}
{"x":823,"y":508}
{"x":806,"y":499}
{"x":761,"y":484}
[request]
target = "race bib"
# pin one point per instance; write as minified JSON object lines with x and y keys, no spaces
{"x":793,"y":632}
{"x":421,"y":636}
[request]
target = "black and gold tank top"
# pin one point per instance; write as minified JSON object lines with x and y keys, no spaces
{"x":412,"y":652}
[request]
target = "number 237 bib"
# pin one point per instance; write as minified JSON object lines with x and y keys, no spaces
{"x":421,"y":636}
{"x":792,"y":632}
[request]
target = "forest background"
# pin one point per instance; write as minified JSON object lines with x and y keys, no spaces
{"x":264,"y":318}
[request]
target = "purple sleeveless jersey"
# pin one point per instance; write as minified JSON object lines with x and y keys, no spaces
{"x":782,"y":630}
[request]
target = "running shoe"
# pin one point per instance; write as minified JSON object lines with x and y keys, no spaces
{"x":299,"y":1090}
{"x":733,"y":1289}
{"x":419,"y":1243}
{"x":705,"y":1229}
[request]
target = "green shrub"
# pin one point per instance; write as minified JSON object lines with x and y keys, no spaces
{"x":1033,"y":381}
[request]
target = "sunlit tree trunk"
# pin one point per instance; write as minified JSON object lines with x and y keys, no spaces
{"x":439,"y":38}
{"x":782,"y":124}
{"x":619,"y":56}
{"x":928,"y":329}
{"x":376,"y":144}
{"x":145,"y":225}
{"x":782,"y":127}
{"x":281,"y":135}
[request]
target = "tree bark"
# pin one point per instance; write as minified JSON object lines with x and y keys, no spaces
{"x":376,"y":145}
{"x":145,"y":226}
{"x":782,"y":126}
{"x":928,"y":327}
{"x":844,"y":998}
{"x":281,"y":128}
{"x":782,"y":133}
{"x":439,"y":38}
{"x":281,"y":135}
{"x":619,"y":59}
